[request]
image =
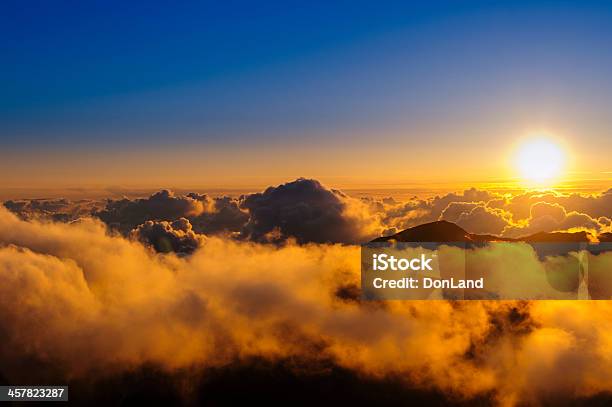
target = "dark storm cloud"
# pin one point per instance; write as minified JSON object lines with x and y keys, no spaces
{"x":222,"y":214}
{"x":207,"y":215}
{"x":307,"y":211}
{"x":303,"y":209}
{"x":163,"y":205}
{"x":165,"y":237}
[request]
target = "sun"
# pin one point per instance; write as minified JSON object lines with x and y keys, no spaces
{"x":540,"y":161}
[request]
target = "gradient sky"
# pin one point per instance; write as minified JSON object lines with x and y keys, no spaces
{"x":223,"y":94}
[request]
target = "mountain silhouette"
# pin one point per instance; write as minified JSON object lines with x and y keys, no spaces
{"x":544,"y":244}
{"x":444,"y":231}
{"x":441,"y":231}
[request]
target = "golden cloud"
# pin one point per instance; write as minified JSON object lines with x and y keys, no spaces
{"x":74,"y":297}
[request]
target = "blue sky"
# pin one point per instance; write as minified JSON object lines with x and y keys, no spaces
{"x":79,"y":75}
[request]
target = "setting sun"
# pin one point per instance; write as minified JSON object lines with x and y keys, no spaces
{"x":540,"y":161}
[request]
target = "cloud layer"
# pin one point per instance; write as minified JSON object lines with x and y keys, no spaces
{"x":76,"y":301}
{"x":307,"y":211}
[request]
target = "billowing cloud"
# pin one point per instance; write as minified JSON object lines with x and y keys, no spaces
{"x":76,"y":302}
{"x":163,"y":205}
{"x":207,"y":215}
{"x":594,"y":205}
{"x":456,"y":209}
{"x":549,"y":217}
{"x":164,"y":237}
{"x":477,"y":217}
{"x":222,"y":215}
{"x":396,"y":216}
{"x":491,"y":213}
{"x":307,"y":211}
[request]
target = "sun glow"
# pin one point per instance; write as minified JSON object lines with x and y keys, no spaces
{"x":540,"y":161}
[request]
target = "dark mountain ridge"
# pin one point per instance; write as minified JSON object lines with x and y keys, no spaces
{"x":444,"y":231}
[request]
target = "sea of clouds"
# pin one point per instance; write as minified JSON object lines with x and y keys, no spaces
{"x":92,"y":289}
